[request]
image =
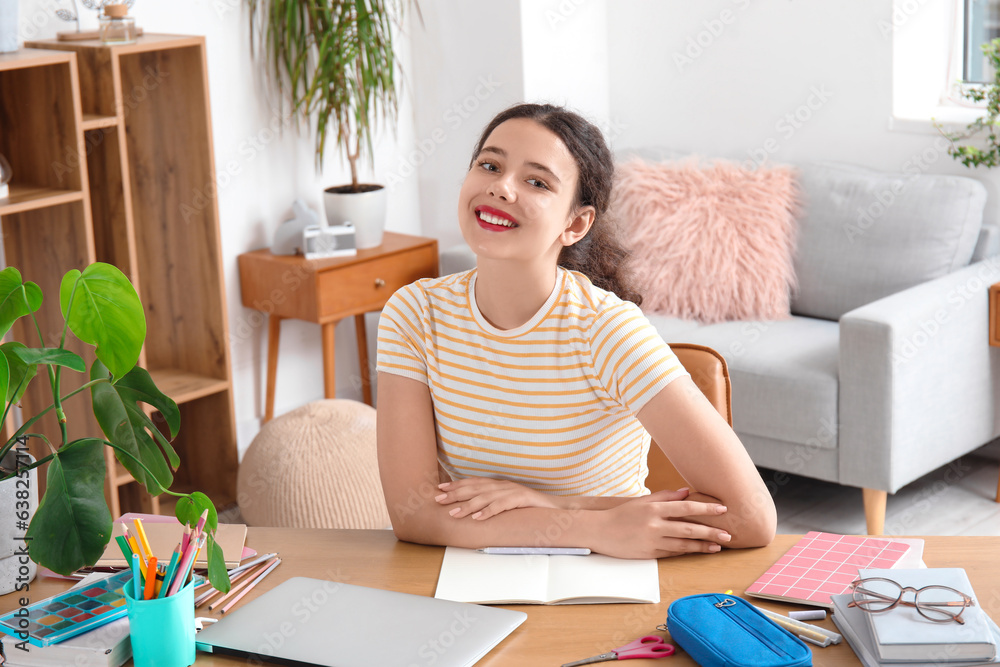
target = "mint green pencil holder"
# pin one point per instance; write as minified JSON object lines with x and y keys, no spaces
{"x":162,"y":629}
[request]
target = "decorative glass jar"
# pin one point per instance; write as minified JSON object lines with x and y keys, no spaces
{"x":116,"y":27}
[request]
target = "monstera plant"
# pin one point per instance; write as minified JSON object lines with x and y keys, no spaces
{"x":72,"y":524}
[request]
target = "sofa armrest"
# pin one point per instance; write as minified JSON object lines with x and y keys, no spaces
{"x":918,"y":380}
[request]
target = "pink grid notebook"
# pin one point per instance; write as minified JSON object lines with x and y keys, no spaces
{"x":824,"y":564}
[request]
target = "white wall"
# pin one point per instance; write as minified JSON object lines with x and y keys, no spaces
{"x":744,"y":79}
{"x":260,"y":172}
{"x":755,"y":79}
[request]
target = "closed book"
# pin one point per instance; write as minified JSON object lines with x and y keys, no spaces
{"x":105,"y":646}
{"x":853,"y":624}
{"x":903,"y":635}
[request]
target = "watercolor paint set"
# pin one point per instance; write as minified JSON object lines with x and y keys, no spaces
{"x":68,"y":614}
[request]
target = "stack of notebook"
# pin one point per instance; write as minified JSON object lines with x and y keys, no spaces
{"x":901,"y":636}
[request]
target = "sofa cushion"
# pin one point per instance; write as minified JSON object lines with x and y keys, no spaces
{"x":711,"y":242}
{"x":866,"y":234}
{"x":784,"y":375}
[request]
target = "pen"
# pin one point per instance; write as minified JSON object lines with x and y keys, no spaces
{"x":543,"y":551}
{"x":136,"y":577}
{"x":811,"y":633}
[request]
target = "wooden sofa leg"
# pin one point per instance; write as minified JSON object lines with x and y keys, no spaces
{"x":874,"y":510}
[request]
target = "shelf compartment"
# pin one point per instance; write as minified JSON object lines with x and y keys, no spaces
{"x":93,"y":121}
{"x":183,"y":386}
{"x":23,"y":198}
{"x":40,"y":134}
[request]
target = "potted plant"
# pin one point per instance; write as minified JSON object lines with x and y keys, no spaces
{"x":333,"y":61}
{"x":973,"y":156}
{"x":72,"y":524}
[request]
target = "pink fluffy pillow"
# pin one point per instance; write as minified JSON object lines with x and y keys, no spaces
{"x":710,"y":243}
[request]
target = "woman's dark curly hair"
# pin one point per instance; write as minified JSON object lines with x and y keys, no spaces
{"x":600,"y":255}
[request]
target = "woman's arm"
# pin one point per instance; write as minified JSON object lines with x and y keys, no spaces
{"x":648,"y":527}
{"x":711,"y":458}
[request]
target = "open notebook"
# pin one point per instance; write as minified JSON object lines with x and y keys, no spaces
{"x":470,"y":576}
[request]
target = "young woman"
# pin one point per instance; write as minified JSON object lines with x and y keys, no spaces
{"x":516,"y":401}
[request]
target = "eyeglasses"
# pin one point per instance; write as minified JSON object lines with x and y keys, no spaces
{"x":941,"y":604}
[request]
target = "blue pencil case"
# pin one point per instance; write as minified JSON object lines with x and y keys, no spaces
{"x":720,"y":630}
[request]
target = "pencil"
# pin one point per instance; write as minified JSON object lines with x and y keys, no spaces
{"x":168,"y":578}
{"x":182,"y":570}
{"x":132,"y":543}
{"x":147,"y":594}
{"x":186,"y":538}
{"x":201,"y":521}
{"x":124,"y":546}
{"x":208,"y":595}
{"x":142,"y":538}
{"x":246,"y":566}
{"x":235,"y":589}
{"x":246,"y":590}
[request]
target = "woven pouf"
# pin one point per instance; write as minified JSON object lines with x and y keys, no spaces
{"x":314,"y":467}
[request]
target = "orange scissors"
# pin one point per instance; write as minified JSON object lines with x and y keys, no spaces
{"x":649,"y":646}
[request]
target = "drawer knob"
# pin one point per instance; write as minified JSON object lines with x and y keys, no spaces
{"x":379,"y":282}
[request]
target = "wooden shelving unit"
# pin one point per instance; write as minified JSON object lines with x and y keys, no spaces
{"x":112,"y":153}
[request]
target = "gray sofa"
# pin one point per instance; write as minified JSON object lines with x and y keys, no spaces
{"x":883,"y":372}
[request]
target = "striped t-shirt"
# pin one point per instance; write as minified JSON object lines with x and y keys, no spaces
{"x":550,"y":404}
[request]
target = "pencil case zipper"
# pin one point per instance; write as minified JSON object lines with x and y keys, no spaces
{"x":733,"y":613}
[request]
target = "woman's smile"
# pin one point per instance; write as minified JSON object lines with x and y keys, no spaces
{"x":494,"y":220}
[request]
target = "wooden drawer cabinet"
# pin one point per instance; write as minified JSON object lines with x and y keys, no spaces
{"x":367,"y":286}
{"x":326,"y":291}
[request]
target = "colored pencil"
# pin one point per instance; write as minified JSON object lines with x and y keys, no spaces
{"x":142,"y":538}
{"x":147,"y":594}
{"x":246,"y":566}
{"x":186,"y":538}
{"x":235,"y":589}
{"x":182,"y":570}
{"x":201,"y":521}
{"x":124,"y":546}
{"x":132,"y":543}
{"x":168,"y":578}
{"x":246,"y":590}
{"x":136,"y":577}
{"x":208,"y":595}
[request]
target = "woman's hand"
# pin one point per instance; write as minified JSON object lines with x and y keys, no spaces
{"x":483,"y":497}
{"x":653,"y":526}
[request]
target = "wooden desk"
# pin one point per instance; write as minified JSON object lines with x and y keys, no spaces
{"x":326,"y":291}
{"x":553,"y":635}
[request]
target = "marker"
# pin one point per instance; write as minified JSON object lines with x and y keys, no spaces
{"x":811,"y":633}
{"x":535,"y":551}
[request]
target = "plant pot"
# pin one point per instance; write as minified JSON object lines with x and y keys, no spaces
{"x":18,"y":502}
{"x":364,"y":209}
{"x":9,"y":22}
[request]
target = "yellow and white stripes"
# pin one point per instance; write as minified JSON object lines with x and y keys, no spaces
{"x":550,"y":404}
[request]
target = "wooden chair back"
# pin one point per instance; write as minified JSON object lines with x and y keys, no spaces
{"x":710,"y":374}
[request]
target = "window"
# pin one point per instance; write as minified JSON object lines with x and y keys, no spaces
{"x":982,"y":24}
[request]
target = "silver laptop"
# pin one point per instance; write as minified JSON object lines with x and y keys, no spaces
{"x":329,"y":624}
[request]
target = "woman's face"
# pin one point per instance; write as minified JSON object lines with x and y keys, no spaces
{"x":517,"y":201}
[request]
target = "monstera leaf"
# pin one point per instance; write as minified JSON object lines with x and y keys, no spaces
{"x":72,"y":524}
{"x":101,"y":308}
{"x":136,"y":438}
